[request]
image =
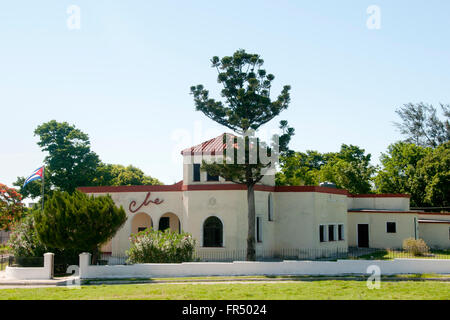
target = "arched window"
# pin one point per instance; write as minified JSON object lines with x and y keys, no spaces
{"x":270,"y":207}
{"x":212,"y":232}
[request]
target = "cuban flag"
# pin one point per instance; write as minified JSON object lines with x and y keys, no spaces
{"x":37,"y":174}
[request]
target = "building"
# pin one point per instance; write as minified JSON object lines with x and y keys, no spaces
{"x":305,"y":218}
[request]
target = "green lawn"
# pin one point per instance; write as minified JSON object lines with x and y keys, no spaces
{"x":336,"y":289}
{"x":391,"y":254}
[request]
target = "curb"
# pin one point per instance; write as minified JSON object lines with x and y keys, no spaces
{"x":94,"y":282}
{"x":114,"y":282}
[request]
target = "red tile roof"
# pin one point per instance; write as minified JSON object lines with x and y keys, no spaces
{"x":208,"y":147}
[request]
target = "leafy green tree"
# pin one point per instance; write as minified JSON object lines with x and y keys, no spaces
{"x":421,"y":125}
{"x":118,"y":175}
{"x":78,"y":222}
{"x":70,"y":163}
{"x":432,"y":177}
{"x":247,"y":106}
{"x":398,"y":170}
{"x":349,"y":169}
{"x":300,"y":168}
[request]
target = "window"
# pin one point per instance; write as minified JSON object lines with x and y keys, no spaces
{"x":391,"y":227}
{"x":341,"y":232}
{"x":331,"y":235}
{"x":164,"y":223}
{"x":196,"y":172}
{"x":322,"y":234}
{"x":270,"y":207}
{"x":258,"y":229}
{"x":212,"y":232}
{"x":211,"y":178}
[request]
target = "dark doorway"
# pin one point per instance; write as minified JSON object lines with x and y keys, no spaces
{"x":164,"y":223}
{"x":363,"y":235}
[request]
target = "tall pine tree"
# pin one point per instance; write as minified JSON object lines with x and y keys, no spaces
{"x":247,"y":106}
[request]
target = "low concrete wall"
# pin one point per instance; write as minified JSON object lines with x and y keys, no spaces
{"x":32,"y":273}
{"x":340,"y":267}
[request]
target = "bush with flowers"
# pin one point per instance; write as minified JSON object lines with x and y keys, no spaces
{"x":154,"y":246}
{"x":24,"y":241}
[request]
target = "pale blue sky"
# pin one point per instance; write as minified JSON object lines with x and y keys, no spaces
{"x":124,"y":77}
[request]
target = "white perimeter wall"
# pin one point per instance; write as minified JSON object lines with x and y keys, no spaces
{"x":32,"y":273}
{"x":340,"y":267}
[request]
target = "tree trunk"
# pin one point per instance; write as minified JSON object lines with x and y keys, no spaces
{"x":94,"y":255}
{"x":251,"y":252}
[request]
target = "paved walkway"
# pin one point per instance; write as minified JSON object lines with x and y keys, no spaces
{"x":14,"y":283}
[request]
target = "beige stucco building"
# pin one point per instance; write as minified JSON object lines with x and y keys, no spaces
{"x":306,"y":218}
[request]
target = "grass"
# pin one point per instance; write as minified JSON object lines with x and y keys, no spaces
{"x":424,"y":276}
{"x":301,"y":290}
{"x":392,"y":254}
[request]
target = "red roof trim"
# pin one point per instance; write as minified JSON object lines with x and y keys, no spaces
{"x":216,"y":187}
{"x":115,"y":189}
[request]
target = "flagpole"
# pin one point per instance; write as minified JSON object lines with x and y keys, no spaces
{"x":43,"y":174}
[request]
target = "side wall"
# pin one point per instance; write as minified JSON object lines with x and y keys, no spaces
{"x":299,"y":215}
{"x":378,"y":235}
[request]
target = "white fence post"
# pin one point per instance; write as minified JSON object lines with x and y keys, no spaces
{"x":49,"y":260}
{"x":85,"y":261}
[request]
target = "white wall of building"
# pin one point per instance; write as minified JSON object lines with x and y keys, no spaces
{"x":396,"y":203}
{"x":378,"y":235}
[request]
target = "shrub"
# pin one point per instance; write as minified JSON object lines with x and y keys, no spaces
{"x":78,"y":222}
{"x":28,"y":249}
{"x":415,"y":247}
{"x":150,"y":246}
{"x":24,"y":241}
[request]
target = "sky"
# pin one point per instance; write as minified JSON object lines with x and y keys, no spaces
{"x":122,"y":74}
